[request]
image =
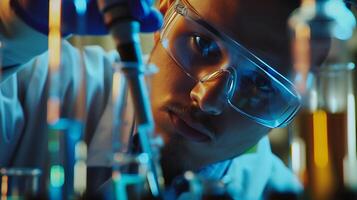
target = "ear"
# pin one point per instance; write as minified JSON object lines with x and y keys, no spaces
{"x":163,"y":6}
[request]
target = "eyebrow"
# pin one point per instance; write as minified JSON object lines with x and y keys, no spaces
{"x":199,"y":19}
{"x":210,"y":27}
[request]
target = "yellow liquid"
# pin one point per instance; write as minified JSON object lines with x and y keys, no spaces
{"x":325,"y":136}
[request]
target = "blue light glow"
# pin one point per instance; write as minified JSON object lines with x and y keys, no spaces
{"x":81,"y":6}
{"x":57,"y":176}
{"x":345,"y":21}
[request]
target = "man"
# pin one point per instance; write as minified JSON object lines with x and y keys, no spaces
{"x":199,"y":127}
{"x":212,"y":98}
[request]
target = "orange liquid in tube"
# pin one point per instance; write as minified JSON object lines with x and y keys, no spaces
{"x":325,"y":136}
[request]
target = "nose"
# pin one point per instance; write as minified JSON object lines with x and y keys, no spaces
{"x":211,"y":95}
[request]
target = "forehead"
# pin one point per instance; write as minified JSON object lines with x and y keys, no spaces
{"x":240,"y":12}
{"x":259,"y":25}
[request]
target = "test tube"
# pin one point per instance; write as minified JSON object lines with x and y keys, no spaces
{"x":80,"y":168}
{"x":55,"y":176}
{"x":129,"y":168}
{"x":65,"y":134}
{"x":122,"y":111}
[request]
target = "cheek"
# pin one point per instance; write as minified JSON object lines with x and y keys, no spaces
{"x":160,"y":91}
{"x":170,"y":84}
{"x":167,"y":86}
{"x":169,"y":80}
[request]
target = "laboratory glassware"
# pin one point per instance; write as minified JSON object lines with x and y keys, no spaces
{"x":322,"y":145}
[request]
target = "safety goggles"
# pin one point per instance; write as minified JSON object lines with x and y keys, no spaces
{"x":253,"y":88}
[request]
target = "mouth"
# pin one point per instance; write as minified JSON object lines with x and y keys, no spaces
{"x":190,"y":129}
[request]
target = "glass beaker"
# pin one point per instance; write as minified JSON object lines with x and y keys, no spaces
{"x":323,"y":131}
{"x":326,"y":125}
{"x":19,"y":183}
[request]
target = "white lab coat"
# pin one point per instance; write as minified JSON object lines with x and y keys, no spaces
{"x":23,"y":109}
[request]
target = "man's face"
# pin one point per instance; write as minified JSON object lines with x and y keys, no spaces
{"x":198,"y":129}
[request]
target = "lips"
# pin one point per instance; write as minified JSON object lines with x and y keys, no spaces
{"x":189,"y":129}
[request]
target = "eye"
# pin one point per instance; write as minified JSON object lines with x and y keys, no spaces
{"x":255,"y":90}
{"x":256,"y":84}
{"x":206,"y":47}
{"x":263,"y":85}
